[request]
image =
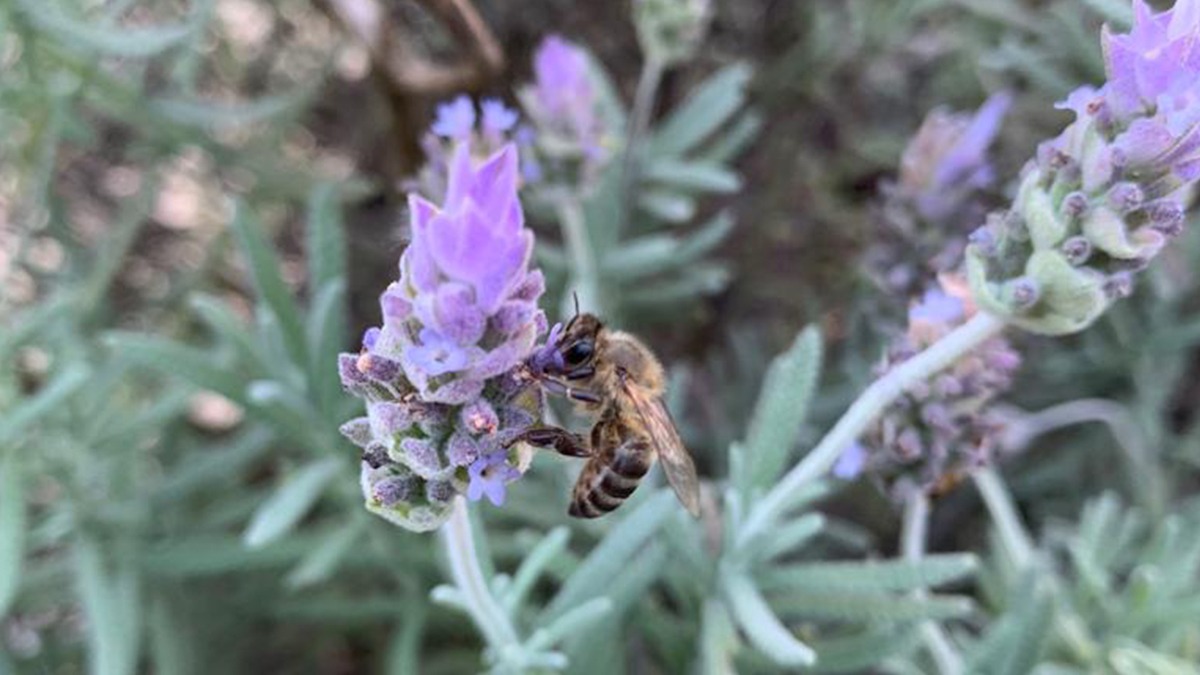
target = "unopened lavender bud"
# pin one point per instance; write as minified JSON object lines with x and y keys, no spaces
{"x":1119,"y":285}
{"x":462,"y":449}
{"x":1166,"y":216}
{"x":480,"y":417}
{"x":983,"y":241}
{"x":1015,"y":226}
{"x":420,"y":455}
{"x":908,"y":444}
{"x":439,"y":491}
{"x":376,"y":455}
{"x":393,"y":490}
{"x":947,"y":385}
{"x":1074,"y":204}
{"x":357,"y":431}
{"x":1125,"y":197}
{"x":1077,"y":250}
{"x":353,"y":379}
{"x":1023,"y":293}
{"x":379,"y":369}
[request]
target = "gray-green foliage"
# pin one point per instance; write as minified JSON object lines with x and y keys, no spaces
{"x":135,"y":538}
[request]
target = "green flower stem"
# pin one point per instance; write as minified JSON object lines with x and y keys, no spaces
{"x":999,"y":504}
{"x":491,"y":620}
{"x":912,"y":537}
{"x":873,"y":401}
{"x":1145,"y":480}
{"x":585,"y":264}
{"x":639,"y":121}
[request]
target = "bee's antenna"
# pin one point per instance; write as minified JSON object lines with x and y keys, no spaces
{"x":570,"y":323}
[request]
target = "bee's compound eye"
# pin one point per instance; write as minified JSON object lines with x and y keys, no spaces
{"x":578,"y":353}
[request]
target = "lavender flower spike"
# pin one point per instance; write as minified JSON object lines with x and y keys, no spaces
{"x":940,"y":193}
{"x":440,"y":377}
{"x":1101,"y":200}
{"x":564,"y":103}
{"x":942,"y":429}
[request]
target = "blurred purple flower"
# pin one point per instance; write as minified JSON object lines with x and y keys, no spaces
{"x":942,"y":190}
{"x":455,"y":119}
{"x":851,"y":462}
{"x":947,"y":159}
{"x":489,"y":476}
{"x":937,"y":306}
{"x":564,"y":102}
{"x":497,"y":117}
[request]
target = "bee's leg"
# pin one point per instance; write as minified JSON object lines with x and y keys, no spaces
{"x":556,"y":387}
{"x":560,"y":440}
{"x":580,"y":373}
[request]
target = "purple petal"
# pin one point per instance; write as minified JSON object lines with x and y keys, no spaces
{"x":497,"y":117}
{"x":455,"y":119}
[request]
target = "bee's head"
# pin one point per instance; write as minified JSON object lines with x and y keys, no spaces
{"x":578,"y":343}
{"x":568,"y":348}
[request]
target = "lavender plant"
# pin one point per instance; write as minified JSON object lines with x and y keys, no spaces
{"x":135,"y":534}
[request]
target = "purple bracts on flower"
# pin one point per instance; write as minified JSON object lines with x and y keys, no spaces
{"x":462,"y":271}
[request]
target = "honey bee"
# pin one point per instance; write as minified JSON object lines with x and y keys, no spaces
{"x":616,"y":380}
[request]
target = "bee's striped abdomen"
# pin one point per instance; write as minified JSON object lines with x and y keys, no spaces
{"x":609,"y":478}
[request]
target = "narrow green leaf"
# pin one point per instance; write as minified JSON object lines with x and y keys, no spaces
{"x":709,"y":107}
{"x":671,"y":207}
{"x":718,"y":640}
{"x":760,"y":625}
{"x":532,"y":566}
{"x":734,"y":140}
{"x":230,"y":328}
{"x":193,"y":365}
{"x":323,"y":560}
{"x":608,"y":560}
{"x":574,"y":621}
{"x":703,"y":278}
{"x":12,"y":529}
{"x":404,"y":651}
{"x":858,"y":653}
{"x":326,"y":334}
{"x":268,"y":281}
{"x":290,"y":503}
{"x":110,"y":602}
{"x":692,"y":176}
{"x":781,"y":410}
{"x":218,"y":116}
{"x":849,"y":606}
{"x":172,"y":648}
{"x":61,"y":387}
{"x":655,"y":254}
{"x":217,"y":464}
{"x":291,"y":416}
{"x":791,"y":536}
{"x":78,"y":33}
{"x":868,"y":576}
{"x":326,"y":240}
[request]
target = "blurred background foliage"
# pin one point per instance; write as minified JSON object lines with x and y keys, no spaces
{"x":200,"y":201}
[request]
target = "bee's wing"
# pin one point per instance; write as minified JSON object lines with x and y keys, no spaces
{"x":676,"y":462}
